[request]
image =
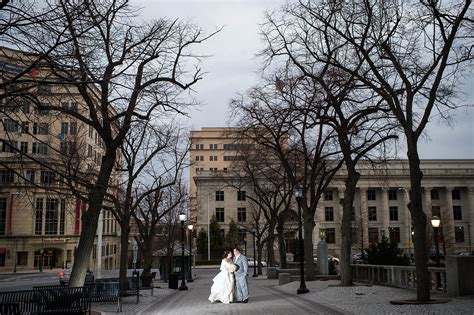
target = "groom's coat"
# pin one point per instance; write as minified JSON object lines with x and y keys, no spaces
{"x":241,"y":285}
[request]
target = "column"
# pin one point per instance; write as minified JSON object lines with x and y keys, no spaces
{"x":385,"y":212}
{"x":447,"y":222}
{"x":470,"y":212}
{"x":428,"y":213}
{"x":406,"y":215}
{"x":364,"y":217}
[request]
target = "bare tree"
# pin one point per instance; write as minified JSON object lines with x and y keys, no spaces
{"x":119,"y":71}
{"x":271,"y":193}
{"x":304,"y":146}
{"x":410,"y":53}
{"x":144,"y":152}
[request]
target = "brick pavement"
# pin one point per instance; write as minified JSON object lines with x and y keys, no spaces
{"x":266,"y":297}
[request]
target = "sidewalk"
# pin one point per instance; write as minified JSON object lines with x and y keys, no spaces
{"x":374,"y":299}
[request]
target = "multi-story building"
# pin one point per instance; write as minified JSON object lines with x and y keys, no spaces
{"x":380,"y":205}
{"x":42,"y":152}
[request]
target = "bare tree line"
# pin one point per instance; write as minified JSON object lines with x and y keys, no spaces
{"x":117,"y":71}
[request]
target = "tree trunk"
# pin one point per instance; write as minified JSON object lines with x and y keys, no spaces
{"x":124,"y":255}
{"x":419,"y":222}
{"x":308,"y":246}
{"x":270,"y":245}
{"x":147,"y":256}
{"x":90,"y":220}
{"x":281,"y":246}
{"x":259,"y":258}
{"x":346,"y":227}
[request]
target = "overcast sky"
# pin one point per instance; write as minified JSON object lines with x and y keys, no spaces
{"x":233,"y":67}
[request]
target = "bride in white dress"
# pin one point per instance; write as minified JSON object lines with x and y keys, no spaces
{"x":223,"y":288}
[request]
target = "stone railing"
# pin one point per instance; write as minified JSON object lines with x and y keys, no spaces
{"x":397,"y":276}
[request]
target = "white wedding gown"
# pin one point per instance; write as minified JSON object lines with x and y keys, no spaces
{"x":223,"y":287}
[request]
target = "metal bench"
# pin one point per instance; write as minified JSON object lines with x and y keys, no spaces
{"x":98,"y":292}
{"x":49,"y":301}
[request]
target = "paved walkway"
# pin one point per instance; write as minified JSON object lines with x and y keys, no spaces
{"x":266,"y":297}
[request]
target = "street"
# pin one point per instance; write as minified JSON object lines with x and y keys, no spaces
{"x":264,"y":299}
{"x":26,"y":281}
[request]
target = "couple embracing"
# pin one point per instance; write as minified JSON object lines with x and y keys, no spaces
{"x":230,"y":284}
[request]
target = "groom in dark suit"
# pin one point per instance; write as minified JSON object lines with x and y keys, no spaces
{"x":241,"y":284}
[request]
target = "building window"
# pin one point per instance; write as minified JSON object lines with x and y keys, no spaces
{"x":73,"y":128}
{"x":25,"y":127}
{"x":219,"y":195}
{"x":10,"y":125}
{"x":2,"y":260}
{"x":229,"y":158}
{"x":456,"y":193}
{"x":329,"y":214}
{"x":241,"y":214}
{"x":353,"y":214}
{"x":24,"y":147}
{"x":213,"y":158}
{"x":241,"y":195}
{"x":22,"y":258}
{"x":213,"y":169}
{"x":331,"y":236}
{"x":457,"y":212}
{"x":3,"y":215}
{"x":51,"y":217}
{"x":213,"y":146}
{"x":47,"y":177}
{"x":220,"y":214}
{"x":64,"y":128}
{"x":436,"y":211}
{"x":199,"y":146}
{"x":434,"y":194}
{"x":371,"y":194}
{"x":459,"y":234}
{"x":30,"y":176}
{"x":393,"y":213}
{"x":372,"y":212}
{"x":199,"y":158}
{"x":392,"y":194}
{"x":40,"y":148}
{"x":40,"y":128}
{"x":354,"y":236}
{"x":373,"y":235}
{"x":62,"y":216}
{"x":9,"y":146}
{"x":7,"y":176}
{"x":394,"y":233}
{"x":39,"y":216}
{"x":328,"y":195}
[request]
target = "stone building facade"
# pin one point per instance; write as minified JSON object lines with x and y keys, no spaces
{"x":40,"y":217}
{"x":380,"y":205}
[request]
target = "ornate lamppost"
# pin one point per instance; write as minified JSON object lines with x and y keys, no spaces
{"x":182,"y":287}
{"x":435,"y":222}
{"x":190,"y":229}
{"x":299,"y":198}
{"x":254,"y":230}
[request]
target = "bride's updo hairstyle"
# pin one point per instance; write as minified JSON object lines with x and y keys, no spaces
{"x":226,"y":252}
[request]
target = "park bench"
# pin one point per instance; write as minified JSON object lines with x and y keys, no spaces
{"x":51,"y":301}
{"x":98,"y":292}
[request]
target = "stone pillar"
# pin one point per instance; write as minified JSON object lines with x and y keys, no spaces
{"x":470,"y":212}
{"x":447,"y":222}
{"x":385,"y":212}
{"x":428,"y":213}
{"x":364,"y":216}
{"x":406,"y":215}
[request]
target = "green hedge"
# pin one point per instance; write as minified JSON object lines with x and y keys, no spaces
{"x":208,"y":262}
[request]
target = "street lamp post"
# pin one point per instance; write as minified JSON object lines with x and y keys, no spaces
{"x":190,"y":228}
{"x":299,"y":199}
{"x":182,"y":287}
{"x":435,"y":222}
{"x":254,"y":230}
